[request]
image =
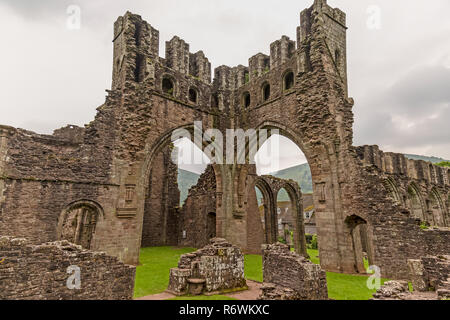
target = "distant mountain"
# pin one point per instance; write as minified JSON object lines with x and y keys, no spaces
{"x":186,"y":180}
{"x":301,"y":174}
{"x":424,"y":158}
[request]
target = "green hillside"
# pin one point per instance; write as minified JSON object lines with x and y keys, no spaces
{"x":424,"y":158}
{"x":301,"y":174}
{"x":186,"y":180}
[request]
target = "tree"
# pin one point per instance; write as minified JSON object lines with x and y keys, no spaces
{"x":444,"y":164}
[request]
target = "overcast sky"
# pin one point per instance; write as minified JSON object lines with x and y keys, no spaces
{"x":399,"y":65}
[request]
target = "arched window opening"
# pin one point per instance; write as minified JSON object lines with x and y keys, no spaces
{"x":414,"y":203}
{"x":177,"y":183}
{"x":78,"y":224}
{"x":246,"y":99}
{"x":289,"y":222}
{"x":265,"y":212}
{"x":288,"y":81}
{"x":392,"y":190}
{"x":360,"y":243}
{"x":139,"y":71}
{"x":266,"y":92}
{"x":246,"y":77}
{"x":436,"y":210}
{"x":168,"y":86}
{"x":193,"y":95}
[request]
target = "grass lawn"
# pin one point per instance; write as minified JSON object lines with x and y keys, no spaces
{"x":346,"y":286}
{"x":152,"y":276}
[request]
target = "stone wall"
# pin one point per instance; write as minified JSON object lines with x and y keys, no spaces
{"x":161,"y":218}
{"x":421,"y":187}
{"x":300,"y":89}
{"x":197,"y":224}
{"x":218,"y":267}
{"x":40,"y":272}
{"x":289,"y":276}
{"x":430,"y":273}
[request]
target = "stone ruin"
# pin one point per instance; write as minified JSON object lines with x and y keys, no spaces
{"x":431,"y":273}
{"x":109,"y":187}
{"x":216,"y":268}
{"x":42,"y":272}
{"x":430,"y":279}
{"x":289,"y":276}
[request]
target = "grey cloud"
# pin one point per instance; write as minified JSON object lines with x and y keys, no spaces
{"x":420,"y":98}
{"x":388,"y":75}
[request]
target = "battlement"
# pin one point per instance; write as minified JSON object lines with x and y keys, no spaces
{"x":185,"y":76}
{"x":399,"y":164}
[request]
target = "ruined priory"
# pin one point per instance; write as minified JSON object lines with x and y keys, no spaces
{"x":111,"y":187}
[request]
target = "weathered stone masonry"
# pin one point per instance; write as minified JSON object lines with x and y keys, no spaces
{"x":40,"y":272}
{"x":216,"y":268}
{"x":299,"y":89}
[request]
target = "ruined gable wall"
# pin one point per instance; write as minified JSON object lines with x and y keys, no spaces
{"x":201,"y":201}
{"x":160,"y":226}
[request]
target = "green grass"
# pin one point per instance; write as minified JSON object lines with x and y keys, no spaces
{"x":253,"y":267}
{"x":346,"y":286}
{"x":152,"y":276}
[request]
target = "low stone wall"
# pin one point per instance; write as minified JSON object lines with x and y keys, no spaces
{"x":430,"y":273}
{"x":218,"y":267}
{"x":289,"y":276}
{"x":47,"y":271}
{"x":430,"y":280}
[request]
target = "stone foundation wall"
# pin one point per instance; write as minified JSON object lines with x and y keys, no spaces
{"x":290,"y":276}
{"x":218,"y":267}
{"x":40,"y":272}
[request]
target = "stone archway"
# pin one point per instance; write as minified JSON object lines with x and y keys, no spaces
{"x":295,"y":197}
{"x":162,"y":209}
{"x":269,"y":204}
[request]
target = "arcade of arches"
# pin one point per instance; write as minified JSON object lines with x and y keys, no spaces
{"x":362,"y":196}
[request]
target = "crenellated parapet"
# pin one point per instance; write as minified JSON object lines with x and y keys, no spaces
{"x":419,"y":186}
{"x":281,"y":51}
{"x":186,"y":77}
{"x":399,"y":164}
